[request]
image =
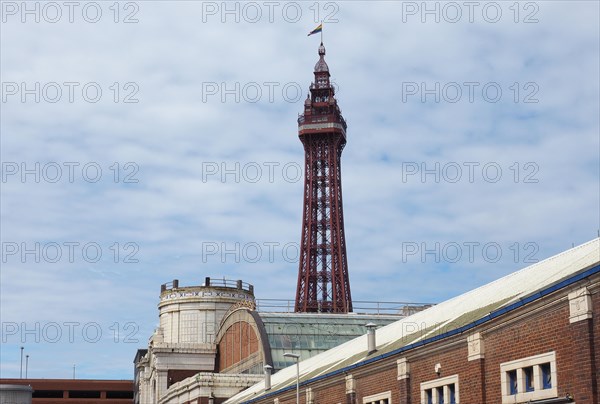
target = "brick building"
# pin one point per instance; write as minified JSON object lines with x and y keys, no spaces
{"x":77,"y":391}
{"x":530,"y":337}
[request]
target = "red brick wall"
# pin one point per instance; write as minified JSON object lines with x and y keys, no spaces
{"x":334,"y":393}
{"x":596,"y":343}
{"x":238,"y":342}
{"x":544,"y":332}
{"x":375,"y":383}
{"x":523,"y":333}
{"x":453,"y":360}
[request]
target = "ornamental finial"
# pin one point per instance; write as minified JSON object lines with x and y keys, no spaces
{"x":321,"y":66}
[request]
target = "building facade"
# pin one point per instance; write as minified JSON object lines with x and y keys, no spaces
{"x":76,"y":391}
{"x":184,"y":343}
{"x":213,"y":343}
{"x":15,"y":394}
{"x":530,"y":337}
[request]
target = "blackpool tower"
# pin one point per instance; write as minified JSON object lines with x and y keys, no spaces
{"x":323,"y":283}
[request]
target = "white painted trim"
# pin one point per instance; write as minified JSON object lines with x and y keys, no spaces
{"x":377,"y":398}
{"x":538,"y":393}
{"x":442,"y":382}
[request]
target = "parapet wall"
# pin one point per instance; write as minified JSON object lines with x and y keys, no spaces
{"x":192,"y":314}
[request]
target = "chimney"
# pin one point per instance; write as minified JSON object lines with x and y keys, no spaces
{"x":372,"y":345}
{"x":268,"y":370}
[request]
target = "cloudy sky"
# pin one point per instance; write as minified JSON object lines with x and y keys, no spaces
{"x":145,"y":141}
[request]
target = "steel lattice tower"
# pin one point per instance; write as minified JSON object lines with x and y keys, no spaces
{"x":323,"y":283}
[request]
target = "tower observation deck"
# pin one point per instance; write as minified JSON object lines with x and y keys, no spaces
{"x":323,"y":283}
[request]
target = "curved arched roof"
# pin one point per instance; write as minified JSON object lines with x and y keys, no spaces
{"x":306,"y":334}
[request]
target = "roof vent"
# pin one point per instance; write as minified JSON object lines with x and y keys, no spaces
{"x":268,"y":369}
{"x":372,"y":345}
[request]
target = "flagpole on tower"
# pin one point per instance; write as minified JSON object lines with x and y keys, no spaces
{"x":321,"y":31}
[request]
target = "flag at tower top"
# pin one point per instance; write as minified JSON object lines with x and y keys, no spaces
{"x":316,"y":30}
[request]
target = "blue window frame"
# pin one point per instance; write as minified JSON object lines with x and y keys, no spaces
{"x":452,"y":389}
{"x":512,"y":382}
{"x":440,"y":395}
{"x":546,"y":376}
{"x":528,"y":378}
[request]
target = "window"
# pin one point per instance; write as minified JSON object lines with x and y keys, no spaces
{"x":512,"y":382}
{"x":84,"y":394}
{"x":382,"y":398}
{"x":528,"y":371}
{"x":440,"y":391}
{"x":546,"y":376}
{"x":119,"y":394}
{"x":47,"y":394}
{"x":532,"y":378}
{"x":440,"y":394}
{"x":452,"y":388}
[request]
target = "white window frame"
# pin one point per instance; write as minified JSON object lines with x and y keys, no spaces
{"x":539,"y":393}
{"x":378,"y":398}
{"x":442,"y":382}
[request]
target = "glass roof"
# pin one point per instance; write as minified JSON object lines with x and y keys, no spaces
{"x":309,"y":334}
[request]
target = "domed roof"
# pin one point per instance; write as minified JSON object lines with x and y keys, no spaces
{"x":321,"y":66}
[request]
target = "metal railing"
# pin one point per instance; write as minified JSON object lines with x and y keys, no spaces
{"x":321,"y":119}
{"x":213,"y":282}
{"x":228,"y":283}
{"x":359,"y":307}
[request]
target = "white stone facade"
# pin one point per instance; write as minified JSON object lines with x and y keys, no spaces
{"x":208,"y":385}
{"x":184,"y":343}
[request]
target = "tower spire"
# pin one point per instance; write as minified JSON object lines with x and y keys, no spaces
{"x":323,"y":283}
